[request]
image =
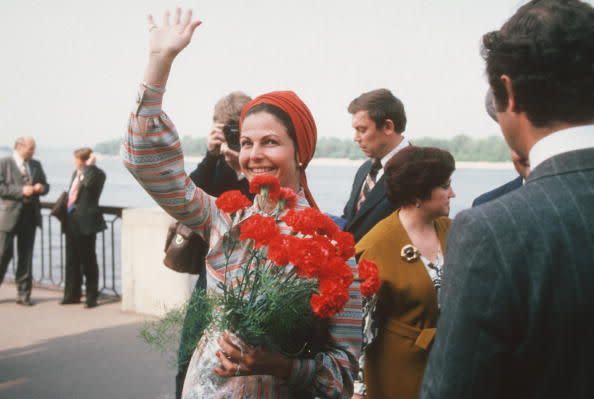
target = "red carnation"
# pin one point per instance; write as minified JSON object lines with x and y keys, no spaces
{"x":232,"y":201}
{"x":261,"y":229}
{"x":327,"y":226}
{"x":368,"y":272}
{"x":370,"y":286}
{"x":287,"y":198}
{"x":265,"y":185}
{"x":278,"y":249}
{"x":300,"y":221}
{"x":331,"y":299}
{"x":307,"y":255}
{"x":310,"y":221}
{"x":337,"y":270}
{"x":345,"y":244}
{"x":367,"y":269}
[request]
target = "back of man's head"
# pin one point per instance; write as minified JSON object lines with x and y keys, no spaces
{"x":229,"y":108}
{"x":381,"y":104}
{"x":547,"y":50}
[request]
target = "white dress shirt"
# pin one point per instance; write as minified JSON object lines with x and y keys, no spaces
{"x":403,"y":144}
{"x":21,"y":163}
{"x":572,"y":139}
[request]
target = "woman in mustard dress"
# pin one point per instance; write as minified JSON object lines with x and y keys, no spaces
{"x":408,"y":246}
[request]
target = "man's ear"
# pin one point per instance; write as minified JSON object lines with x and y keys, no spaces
{"x":389,"y":126}
{"x":509,"y":89}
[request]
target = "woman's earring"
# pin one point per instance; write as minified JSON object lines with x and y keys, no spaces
{"x":418,"y":204}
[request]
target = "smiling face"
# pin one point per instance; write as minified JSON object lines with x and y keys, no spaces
{"x":267,"y":149}
{"x":439,"y":203}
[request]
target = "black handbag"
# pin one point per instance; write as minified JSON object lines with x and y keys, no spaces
{"x":183,"y":249}
{"x":60,"y":208}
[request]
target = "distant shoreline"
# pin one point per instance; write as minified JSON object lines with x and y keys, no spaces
{"x":357,"y":162}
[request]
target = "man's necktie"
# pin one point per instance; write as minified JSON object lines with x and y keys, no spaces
{"x":25,"y":173}
{"x":26,"y":180}
{"x":73,"y":194}
{"x":369,"y":182}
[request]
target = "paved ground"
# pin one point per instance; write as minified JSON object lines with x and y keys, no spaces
{"x":50,"y":351}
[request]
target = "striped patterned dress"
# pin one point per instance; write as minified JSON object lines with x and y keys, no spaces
{"x":152,"y":152}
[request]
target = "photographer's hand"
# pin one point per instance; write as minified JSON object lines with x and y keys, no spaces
{"x":166,"y":42}
{"x":215,"y":139}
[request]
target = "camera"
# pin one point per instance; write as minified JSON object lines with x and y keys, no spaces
{"x":231,"y":132}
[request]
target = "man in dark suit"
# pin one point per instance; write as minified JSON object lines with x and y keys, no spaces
{"x":518,"y":293}
{"x":379,"y":121}
{"x":521,"y":165}
{"x":83,"y":221}
{"x":523,"y":169}
{"x":219,"y":170}
{"x":22,"y":181}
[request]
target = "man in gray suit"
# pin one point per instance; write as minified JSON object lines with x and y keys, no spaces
{"x":517,"y":317}
{"x":22,"y":181}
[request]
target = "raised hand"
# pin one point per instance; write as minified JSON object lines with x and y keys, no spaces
{"x":166,"y":42}
{"x":173,"y":35}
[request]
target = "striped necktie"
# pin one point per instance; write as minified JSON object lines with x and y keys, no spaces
{"x":369,"y":182}
{"x":25,"y":173}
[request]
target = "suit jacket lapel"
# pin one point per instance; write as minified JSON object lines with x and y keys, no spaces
{"x":358,"y":184}
{"x":16,"y":172}
{"x":373,"y":197}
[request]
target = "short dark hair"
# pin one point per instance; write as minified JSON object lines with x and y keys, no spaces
{"x":414,"y":172}
{"x":547,"y":50}
{"x":83,"y":153}
{"x":381,"y":105}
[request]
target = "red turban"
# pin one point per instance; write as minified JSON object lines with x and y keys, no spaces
{"x":305,"y":129}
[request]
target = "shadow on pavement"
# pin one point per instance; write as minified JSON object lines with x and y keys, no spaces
{"x":112,"y":363}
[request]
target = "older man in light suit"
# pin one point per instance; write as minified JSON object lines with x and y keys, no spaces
{"x":518,"y":296}
{"x":22,"y":181}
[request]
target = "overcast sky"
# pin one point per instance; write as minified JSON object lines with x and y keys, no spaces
{"x":69,"y":68}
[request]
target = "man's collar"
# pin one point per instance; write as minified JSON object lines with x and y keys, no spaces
{"x":571,"y":139}
{"x":17,"y":158}
{"x":403,"y":144}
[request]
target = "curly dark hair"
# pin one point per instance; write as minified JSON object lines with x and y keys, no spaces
{"x":381,"y":105}
{"x":414,"y":172}
{"x":547,"y":50}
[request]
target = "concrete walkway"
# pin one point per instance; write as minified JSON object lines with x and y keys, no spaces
{"x":50,"y":351}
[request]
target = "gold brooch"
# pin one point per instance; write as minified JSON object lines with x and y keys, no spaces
{"x":409,"y":253}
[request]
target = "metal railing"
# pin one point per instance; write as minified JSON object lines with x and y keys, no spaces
{"x":50,"y":252}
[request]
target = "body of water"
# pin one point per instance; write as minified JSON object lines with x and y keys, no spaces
{"x":330,"y":184}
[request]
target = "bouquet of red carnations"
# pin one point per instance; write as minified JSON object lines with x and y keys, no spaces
{"x":294,"y":277}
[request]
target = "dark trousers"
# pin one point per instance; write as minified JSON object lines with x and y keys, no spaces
{"x":188,"y":341}
{"x":81,"y":259}
{"x":24,"y":231}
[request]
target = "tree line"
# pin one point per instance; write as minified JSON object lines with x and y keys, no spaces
{"x":462,"y":147}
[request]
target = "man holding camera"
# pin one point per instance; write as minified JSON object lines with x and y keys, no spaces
{"x":216,"y":173}
{"x":219,"y":170}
